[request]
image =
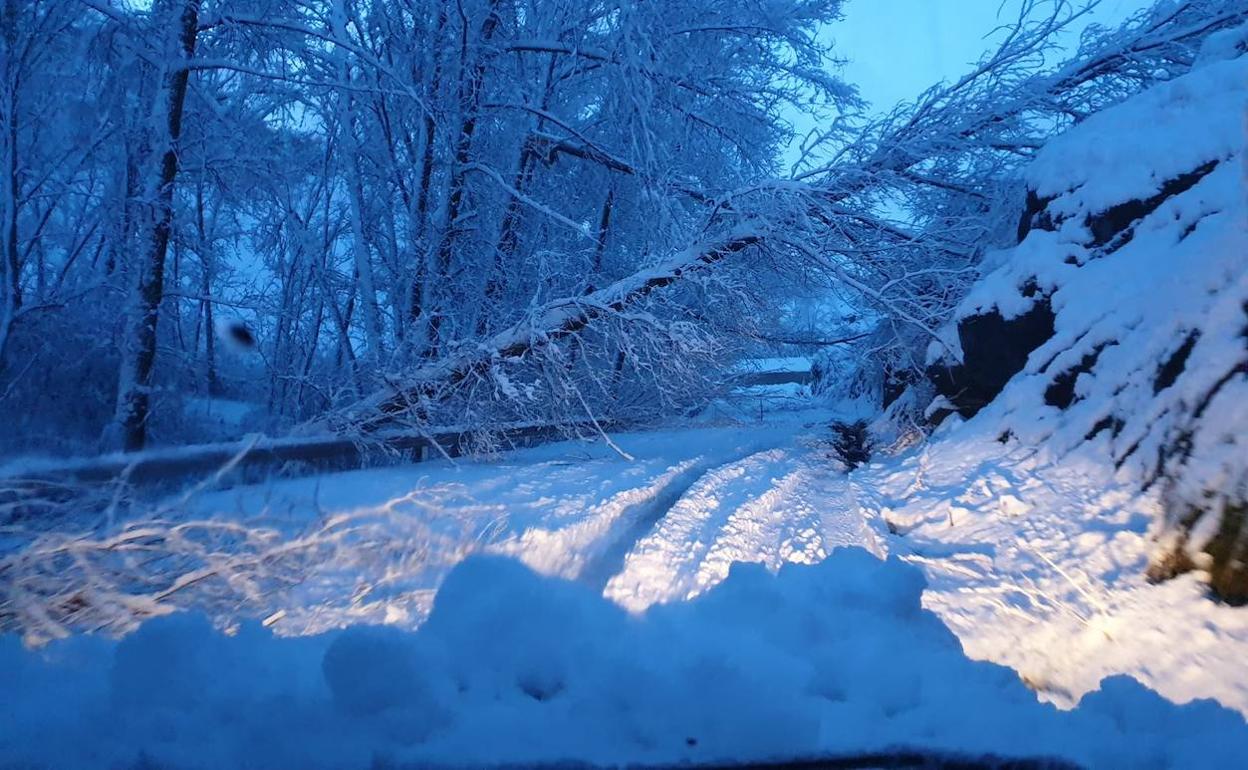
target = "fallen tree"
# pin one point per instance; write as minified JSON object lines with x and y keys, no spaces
{"x":48,"y":492}
{"x":956,"y":143}
{"x":557,"y":319}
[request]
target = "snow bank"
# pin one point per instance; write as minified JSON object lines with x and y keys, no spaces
{"x":512,"y":666}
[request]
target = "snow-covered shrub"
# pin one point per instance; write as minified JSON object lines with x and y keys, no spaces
{"x":847,"y":375}
{"x":58,"y":381}
{"x":1121,"y":317}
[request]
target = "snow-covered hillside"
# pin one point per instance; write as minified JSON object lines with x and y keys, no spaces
{"x":1121,"y":319}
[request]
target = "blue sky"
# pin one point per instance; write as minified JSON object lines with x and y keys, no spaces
{"x":898,"y":48}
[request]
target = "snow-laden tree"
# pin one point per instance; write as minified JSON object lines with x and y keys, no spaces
{"x":486,"y":211}
{"x":896,"y":219}
{"x":369,"y":185}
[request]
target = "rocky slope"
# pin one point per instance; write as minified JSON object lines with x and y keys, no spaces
{"x":1120,"y":318}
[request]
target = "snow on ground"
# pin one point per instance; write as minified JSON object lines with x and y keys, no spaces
{"x":572,"y":510}
{"x":514,"y":667}
{"x":621,"y":647}
{"x":773,"y":507}
{"x":1037,"y":561}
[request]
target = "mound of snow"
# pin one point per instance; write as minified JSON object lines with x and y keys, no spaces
{"x":514,"y":667}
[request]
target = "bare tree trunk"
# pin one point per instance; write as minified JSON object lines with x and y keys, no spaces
{"x":10,"y":287}
{"x":210,"y":358}
{"x":470,"y":100}
{"x":363,"y":264}
{"x":422,"y":281}
{"x":508,"y":240}
{"x":309,"y":355}
{"x":604,"y":229}
{"x":401,"y":270}
{"x":509,"y":230}
{"x":139,"y":354}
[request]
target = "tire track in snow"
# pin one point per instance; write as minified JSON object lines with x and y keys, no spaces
{"x":574,"y":550}
{"x":634,"y":523}
{"x":774,"y":506}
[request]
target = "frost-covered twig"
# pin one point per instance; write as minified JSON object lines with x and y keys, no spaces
{"x":111,"y":580}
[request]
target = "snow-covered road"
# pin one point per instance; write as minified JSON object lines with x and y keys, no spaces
{"x":786,"y":504}
{"x":662,"y":526}
{"x":1035,"y":562}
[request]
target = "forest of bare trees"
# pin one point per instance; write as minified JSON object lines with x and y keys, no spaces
{"x":486,"y":211}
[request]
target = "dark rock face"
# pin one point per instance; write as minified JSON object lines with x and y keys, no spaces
{"x":1035,"y":216}
{"x":1227,"y":504}
{"x":994,"y":350}
{"x":1228,"y":552}
{"x":1112,"y":423}
{"x":1061,"y":391}
{"x":1169,"y":371}
{"x":1114,"y":227}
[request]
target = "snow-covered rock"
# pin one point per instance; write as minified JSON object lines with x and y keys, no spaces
{"x":1121,"y":317}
